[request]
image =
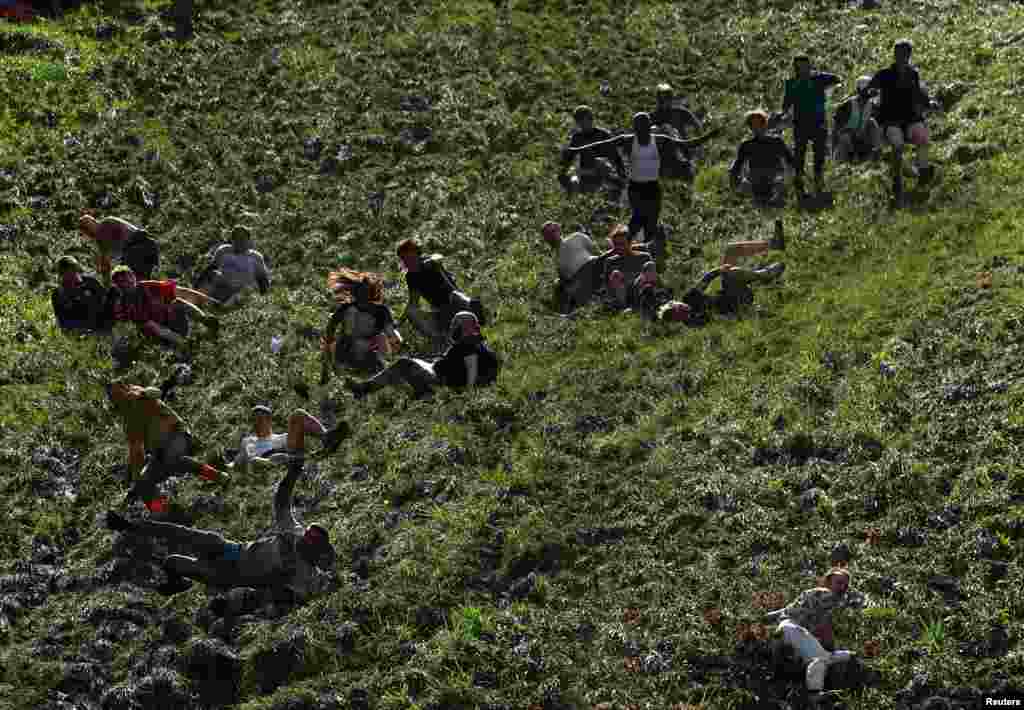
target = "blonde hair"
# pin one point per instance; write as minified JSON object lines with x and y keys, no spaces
{"x":340,"y":284}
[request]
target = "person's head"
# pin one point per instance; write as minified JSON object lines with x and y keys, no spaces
{"x":901,"y":52}
{"x":362,"y":287}
{"x":757,"y":121}
{"x":664,"y":95}
{"x":69,"y":271}
{"x":123,"y":278}
{"x":409,"y":254}
{"x":674,"y":312}
{"x":642,"y":125}
{"x":316,"y":547}
{"x":552,"y":233}
{"x":584,"y":118}
{"x":838,"y":580}
{"x":118,"y":391}
{"x":88,"y":225}
{"x":802,"y":66}
{"x":465,"y":325}
{"x":862,"y":87}
{"x":619,"y":237}
{"x":241,"y":239}
{"x":262,"y":420}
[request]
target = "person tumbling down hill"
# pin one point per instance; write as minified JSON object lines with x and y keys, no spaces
{"x":237,"y":269}
{"x":759,"y":168}
{"x":427,"y":279}
{"x":286,"y":560}
{"x":806,"y":624}
{"x":367,"y":326}
{"x":78,"y":301}
{"x":591,"y":172}
{"x":263,"y":448}
{"x":696,"y":306}
{"x":119,"y":240}
{"x":469,"y":362}
{"x":580,"y":266}
{"x":625,"y":257}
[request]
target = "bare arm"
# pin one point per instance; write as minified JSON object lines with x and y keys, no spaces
{"x":688,"y":143}
{"x":614,"y":142}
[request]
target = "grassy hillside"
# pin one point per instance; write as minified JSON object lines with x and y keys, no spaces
{"x":604,"y":527}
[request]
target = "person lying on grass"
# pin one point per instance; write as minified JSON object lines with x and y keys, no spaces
{"x":237,"y":269}
{"x":467,"y":363}
{"x":427,"y":279}
{"x":367,"y":326}
{"x":761,"y":160}
{"x":806,"y":625}
{"x":580,"y":266}
{"x":120,"y":240}
{"x":160,"y":309}
{"x":78,"y":301}
{"x":159,"y":443}
{"x":625,"y":256}
{"x":591,"y":173}
{"x":286,"y":560}
{"x":263,"y":448}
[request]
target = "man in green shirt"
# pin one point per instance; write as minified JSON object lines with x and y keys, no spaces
{"x":805,"y":95}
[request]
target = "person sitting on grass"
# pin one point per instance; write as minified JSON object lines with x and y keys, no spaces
{"x":805,"y":94}
{"x":263,"y":448}
{"x":806,"y":625}
{"x":155,"y":431}
{"x":367,"y":326}
{"x":591,"y":173}
{"x":759,"y":168}
{"x":284,"y":561}
{"x":858,"y":136}
{"x":901,"y":114}
{"x":78,"y":301}
{"x":735,"y":291}
{"x":469,"y":362}
{"x":428,"y":279}
{"x":117,"y":239}
{"x":155,"y":307}
{"x":580,"y":266}
{"x":237,"y":269}
{"x":671,"y":115}
{"x":625,"y":256}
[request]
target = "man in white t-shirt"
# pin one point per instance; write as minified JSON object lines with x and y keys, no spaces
{"x":580,"y":266}
{"x":263,"y":448}
{"x":237,"y":267}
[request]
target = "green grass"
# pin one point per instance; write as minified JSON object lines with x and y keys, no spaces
{"x":684,"y":411}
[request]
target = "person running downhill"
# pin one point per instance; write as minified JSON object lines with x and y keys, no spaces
{"x":763,"y":158}
{"x":645,"y":169}
{"x":806,"y":95}
{"x":286,"y":560}
{"x":368,"y":328}
{"x":591,"y":173}
{"x":156,"y":430}
{"x":671,"y":114}
{"x":78,"y":301}
{"x":806,"y":624}
{"x":858,"y":135}
{"x":901,"y":114}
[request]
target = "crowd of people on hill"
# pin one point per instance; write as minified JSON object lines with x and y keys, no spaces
{"x":362,"y":333}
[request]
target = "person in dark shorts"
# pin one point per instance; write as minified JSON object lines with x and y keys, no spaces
{"x":580,"y":266}
{"x":901,"y":108}
{"x":805,"y":94}
{"x":367,"y":326}
{"x":761,"y":160}
{"x":592,"y":172}
{"x":469,"y":362}
{"x":427,"y":279}
{"x":78,"y":301}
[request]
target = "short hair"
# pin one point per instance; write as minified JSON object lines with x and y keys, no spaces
{"x":261,"y":410}
{"x":759,"y":114}
{"x":408,"y":246}
{"x":904,"y":43}
{"x":618,"y":230}
{"x":68,"y":263}
{"x":121,"y":269}
{"x":321,"y":530}
{"x":802,"y":58}
{"x":582,"y":111}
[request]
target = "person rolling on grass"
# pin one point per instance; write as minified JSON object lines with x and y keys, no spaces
{"x":858,"y":136}
{"x":761,"y":160}
{"x":155,"y":432}
{"x":469,"y":362}
{"x":156,"y":307}
{"x":580,"y":266}
{"x":805,"y":94}
{"x":901,"y":114}
{"x":645,"y":169}
{"x":263,"y":448}
{"x":284,"y":561}
{"x":670,"y":114}
{"x":427,"y":279}
{"x":237,"y":269}
{"x":119,"y":240}
{"x":625,"y":256}
{"x":806,"y":625}
{"x":78,"y":301}
{"x":367,"y":326}
{"x":591,"y":172}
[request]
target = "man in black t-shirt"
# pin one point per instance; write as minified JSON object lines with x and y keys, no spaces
{"x":763,"y":158}
{"x":670,"y":115}
{"x":467,"y":363}
{"x":591,"y":173}
{"x":78,"y":302}
{"x":428,"y":279}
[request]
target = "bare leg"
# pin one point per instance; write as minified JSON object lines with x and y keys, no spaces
{"x":419,"y":374}
{"x":735,"y":250}
{"x":301,"y":423}
{"x":201,"y":542}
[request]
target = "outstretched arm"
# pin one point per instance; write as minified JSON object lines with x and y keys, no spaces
{"x":611,"y":142}
{"x":691,"y":142}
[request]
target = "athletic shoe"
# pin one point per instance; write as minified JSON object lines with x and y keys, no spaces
{"x":775,"y":270}
{"x":175,"y":584}
{"x":334,"y":437}
{"x":117,"y":522}
{"x":778,"y":241}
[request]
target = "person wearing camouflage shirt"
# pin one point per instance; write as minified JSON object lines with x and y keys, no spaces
{"x":806,"y":624}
